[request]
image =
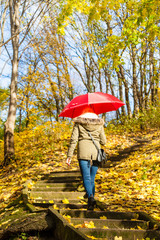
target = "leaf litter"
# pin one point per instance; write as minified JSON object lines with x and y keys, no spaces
{"x":133,"y":184}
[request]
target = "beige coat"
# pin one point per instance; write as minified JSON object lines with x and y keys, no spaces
{"x":86,"y":148}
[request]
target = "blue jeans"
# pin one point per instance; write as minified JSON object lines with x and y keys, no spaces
{"x":88,"y":174}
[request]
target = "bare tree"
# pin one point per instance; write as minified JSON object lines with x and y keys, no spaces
{"x":4,"y":7}
{"x":17,"y":11}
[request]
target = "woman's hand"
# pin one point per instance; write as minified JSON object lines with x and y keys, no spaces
{"x":68,"y":161}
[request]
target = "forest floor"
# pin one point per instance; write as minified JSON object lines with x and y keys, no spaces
{"x":131,"y":182}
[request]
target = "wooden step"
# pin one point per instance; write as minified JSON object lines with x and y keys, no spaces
{"x":123,"y":234}
{"x":53,"y":188}
{"x":62,"y":176}
{"x":64,"y":173}
{"x":55,"y":195}
{"x":60,"y":205}
{"x":98,"y":214}
{"x":52,"y":184}
{"x":42,"y":202}
{"x":113,"y":223}
{"x":62,"y":180}
{"x":112,"y":233}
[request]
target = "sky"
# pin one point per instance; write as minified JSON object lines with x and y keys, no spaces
{"x":5,"y":69}
{"x":5,"y":75}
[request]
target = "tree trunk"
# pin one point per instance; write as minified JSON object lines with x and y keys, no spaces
{"x":112,"y":92}
{"x":126,"y":91}
{"x":100,"y":80}
{"x":144,"y":89}
{"x":27,"y":109}
{"x":141,"y":86}
{"x":135,"y":84}
{"x":151,"y":75}
{"x":87,"y":72}
{"x":20,"y":120}
{"x":106,"y":77}
{"x":158,"y":84}
{"x":121,"y":92}
{"x":10,"y":123}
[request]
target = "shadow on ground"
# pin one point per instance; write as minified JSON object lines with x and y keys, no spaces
{"x":113,"y":160}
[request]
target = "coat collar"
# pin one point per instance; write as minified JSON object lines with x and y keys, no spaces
{"x":98,"y":121}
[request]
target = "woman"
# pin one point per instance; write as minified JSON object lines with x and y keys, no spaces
{"x":87,"y":152}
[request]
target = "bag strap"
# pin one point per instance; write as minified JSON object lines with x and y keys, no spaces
{"x":93,"y":139}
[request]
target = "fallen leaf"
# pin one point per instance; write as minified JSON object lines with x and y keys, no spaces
{"x":103,"y":217}
{"x":65,"y":201}
{"x":55,"y":207}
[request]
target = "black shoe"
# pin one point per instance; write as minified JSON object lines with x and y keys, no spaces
{"x":85,"y":195}
{"x":91,"y":203}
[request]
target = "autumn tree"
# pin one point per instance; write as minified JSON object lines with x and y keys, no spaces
{"x":110,"y":42}
{"x":23,"y":16}
{"x":49,"y":79}
{"x":130,"y":44}
{"x":114,"y":45}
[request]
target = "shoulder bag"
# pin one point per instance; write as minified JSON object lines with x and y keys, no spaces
{"x":101,"y":156}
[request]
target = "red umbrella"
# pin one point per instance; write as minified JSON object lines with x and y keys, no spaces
{"x":99,"y":102}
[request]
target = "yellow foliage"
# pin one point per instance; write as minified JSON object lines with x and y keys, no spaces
{"x":117,"y":238}
{"x":65,"y":201}
{"x":103,"y":217}
{"x":29,"y":186}
{"x":131,"y":185}
{"x":67,"y":217}
{"x":91,"y":237}
{"x":55,"y":207}
{"x":85,"y":225}
{"x":105,"y":227}
{"x":81,"y":197}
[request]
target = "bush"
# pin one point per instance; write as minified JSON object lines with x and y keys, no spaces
{"x":145,"y":120}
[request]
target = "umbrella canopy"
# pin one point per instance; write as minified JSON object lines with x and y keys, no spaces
{"x":99,"y":102}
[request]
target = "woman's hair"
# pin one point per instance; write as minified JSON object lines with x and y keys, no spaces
{"x":87,"y":109}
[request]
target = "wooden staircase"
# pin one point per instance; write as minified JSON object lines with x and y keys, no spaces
{"x":62,"y":195}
